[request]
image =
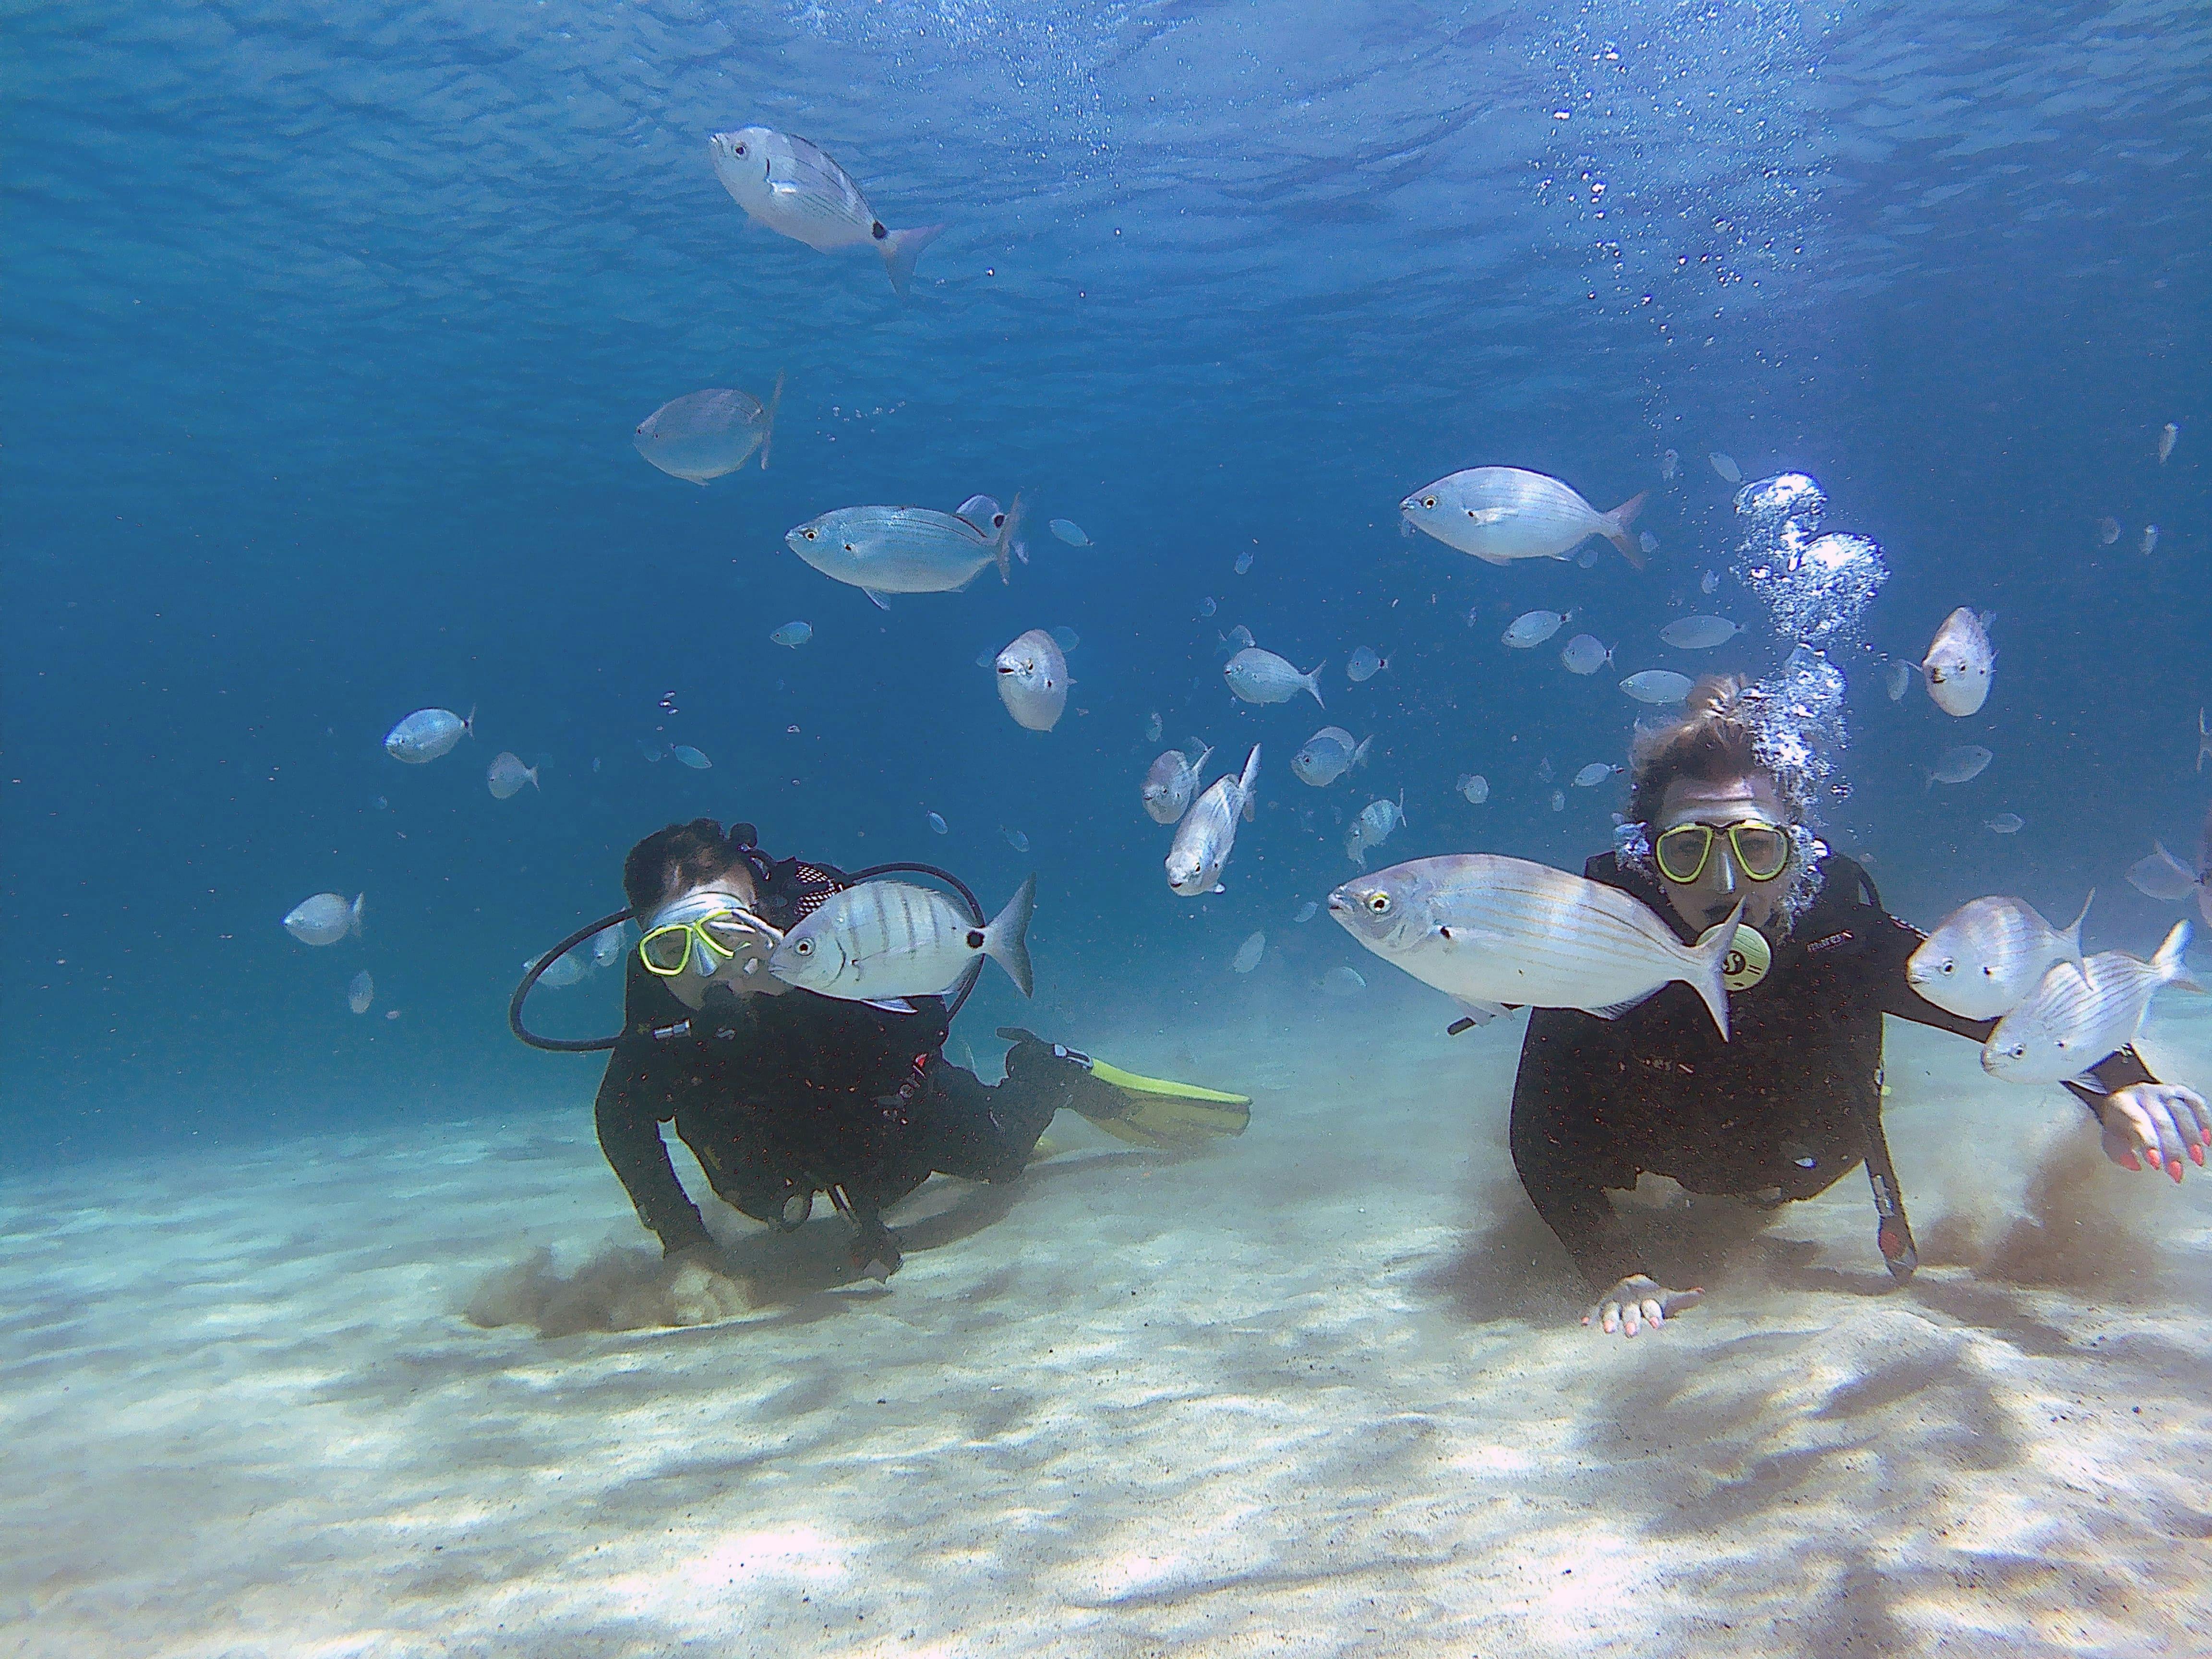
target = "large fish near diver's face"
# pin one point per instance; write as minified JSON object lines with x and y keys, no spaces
{"x":883,"y":941}
{"x":905,"y":549}
{"x":793,"y":188}
{"x":1501,"y":513}
{"x":1491,"y":932}
{"x":1203,"y":840}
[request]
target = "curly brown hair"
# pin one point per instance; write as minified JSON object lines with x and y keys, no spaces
{"x":680,"y":856}
{"x":1711,"y":743}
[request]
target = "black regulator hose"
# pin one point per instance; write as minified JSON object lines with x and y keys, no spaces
{"x":562,"y":1045}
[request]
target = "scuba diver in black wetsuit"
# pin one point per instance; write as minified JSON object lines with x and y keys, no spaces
{"x":1792,"y":1101}
{"x":781,"y":1094}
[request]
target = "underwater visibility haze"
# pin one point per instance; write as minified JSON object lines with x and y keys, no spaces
{"x":447,"y":442}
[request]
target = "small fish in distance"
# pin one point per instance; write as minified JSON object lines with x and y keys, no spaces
{"x":428,"y":733}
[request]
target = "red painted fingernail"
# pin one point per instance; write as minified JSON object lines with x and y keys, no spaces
{"x":2196,"y":1153}
{"x":2150,"y":1157}
{"x":2127,"y":1163}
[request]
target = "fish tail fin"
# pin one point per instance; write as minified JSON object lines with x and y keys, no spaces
{"x":901,"y":248}
{"x":768,"y":426}
{"x":2170,"y":968}
{"x":530,"y":772}
{"x":1708,"y":957}
{"x":1005,"y":539}
{"x":1313,"y":680}
{"x":469,"y":726}
{"x":2071,"y":938}
{"x":353,"y":914}
{"x":1614,"y":526}
{"x":1248,"y":785}
{"x":1008,"y":938}
{"x":1359,"y":755}
{"x":1205,"y":754}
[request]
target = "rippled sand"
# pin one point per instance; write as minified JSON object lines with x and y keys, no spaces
{"x":1321,"y":1393}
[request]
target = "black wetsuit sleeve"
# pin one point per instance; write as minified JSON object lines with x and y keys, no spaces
{"x":632,"y":1099}
{"x":1894,"y":944}
{"x":1557,"y":1145}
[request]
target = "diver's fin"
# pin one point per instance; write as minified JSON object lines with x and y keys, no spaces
{"x":876,"y":599}
{"x":1006,"y":938}
{"x":1164,"y":1112}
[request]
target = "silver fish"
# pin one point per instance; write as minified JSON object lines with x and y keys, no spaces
{"x":1327,"y":755}
{"x":2108,"y":530}
{"x":1988,"y":956}
{"x":904,"y":550}
{"x":1258,"y":675}
{"x":883,"y":941}
{"x":2005,"y":823}
{"x":1648,"y":543}
{"x":1016,"y":840}
{"x":1244,"y":561}
{"x":428,"y":733}
{"x":1709,"y":582}
{"x":1559,"y":800}
{"x":1364,"y":664}
{"x":325,"y":919}
{"x":561,"y":973}
{"x":2168,"y":435}
{"x":2076,"y":1017}
{"x":1961,"y":662}
{"x":1491,"y":932}
{"x":607,"y":945}
{"x":1343,"y":982}
{"x":1172,"y":780}
{"x":792,"y":635}
{"x":1532,"y":627}
{"x":1657,"y":686}
{"x":1595,"y":774}
{"x":938,"y":826}
{"x":1154,"y":726}
{"x":691,"y":757}
{"x":1069,"y":531}
{"x":1896,"y":679}
{"x":361,"y":991}
{"x":1544,"y":770}
{"x":1474,"y":787}
{"x":1585,"y":653}
{"x":705,"y":435}
{"x":507,"y":775}
{"x":1307,"y":912}
{"x":2149,"y":539}
{"x":2161,"y":876}
{"x":1033,"y":680}
{"x":1726,"y":466}
{"x":1670,"y":463}
{"x":795,"y":189}
{"x":1501,"y":513}
{"x":1958,"y":764}
{"x":1378,"y":821}
{"x":1698,"y":633}
{"x":1208,"y":832}
{"x":1249,"y":952}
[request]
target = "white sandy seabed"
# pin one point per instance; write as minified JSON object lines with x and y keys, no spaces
{"x":1323,"y":1391}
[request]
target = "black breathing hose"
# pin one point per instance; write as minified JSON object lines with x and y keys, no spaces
{"x":598,"y":1045}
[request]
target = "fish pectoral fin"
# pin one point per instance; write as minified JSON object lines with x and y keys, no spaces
{"x":1490,"y":514}
{"x":1494,"y":558}
{"x":891,"y":1004}
{"x":1479,"y":1013}
{"x":876,"y":599}
{"x":1615,"y":1010}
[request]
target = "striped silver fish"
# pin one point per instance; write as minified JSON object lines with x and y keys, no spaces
{"x":1501,"y":513}
{"x":793,"y":188}
{"x":881,"y":941}
{"x":904,"y":550}
{"x":1173,"y":780}
{"x":1204,"y":838}
{"x":1988,"y":956}
{"x":2077,"y":1017}
{"x":1491,"y":932}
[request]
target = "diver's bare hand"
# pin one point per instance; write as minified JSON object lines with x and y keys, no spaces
{"x":2154,"y":1123}
{"x":1639,"y":1300}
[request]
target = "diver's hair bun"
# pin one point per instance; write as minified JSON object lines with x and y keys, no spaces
{"x":1715,"y":697}
{"x":1712,"y":741}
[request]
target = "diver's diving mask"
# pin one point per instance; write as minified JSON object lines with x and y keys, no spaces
{"x":1761,"y":849}
{"x":703,"y":932}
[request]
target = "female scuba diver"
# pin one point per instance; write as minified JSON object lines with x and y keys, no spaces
{"x":1793,"y":1102}
{"x":782,"y":1094}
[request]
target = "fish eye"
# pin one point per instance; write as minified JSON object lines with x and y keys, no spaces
{"x":802,"y":947}
{"x":741,"y":149}
{"x":1379,"y":903}
{"x":1428,"y":500}
{"x":1950,"y":967}
{"x":809,"y":535}
{"x":849,"y":548}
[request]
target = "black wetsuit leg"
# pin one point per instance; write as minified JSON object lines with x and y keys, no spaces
{"x":965,"y":1127}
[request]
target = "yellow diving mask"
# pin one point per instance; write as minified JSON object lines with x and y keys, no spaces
{"x":1761,"y":849}
{"x":702,"y":931}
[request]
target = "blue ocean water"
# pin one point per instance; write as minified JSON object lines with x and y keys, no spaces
{"x":326,"y":328}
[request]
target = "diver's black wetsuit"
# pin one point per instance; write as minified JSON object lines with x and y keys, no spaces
{"x":1782,"y":1111}
{"x":783,"y":1096}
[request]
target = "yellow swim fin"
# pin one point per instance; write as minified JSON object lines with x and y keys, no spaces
{"x":1161,"y":1112}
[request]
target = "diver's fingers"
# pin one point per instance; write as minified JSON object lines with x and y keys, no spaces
{"x":2134,"y":1129}
{"x":2195,"y":1121}
{"x":2120,"y":1149}
{"x":1609,"y":1318}
{"x":2157,"y":1114}
{"x":1654,"y":1315}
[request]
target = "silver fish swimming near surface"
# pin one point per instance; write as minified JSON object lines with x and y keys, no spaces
{"x":1173,"y":780}
{"x":1961,"y":662}
{"x":1501,"y":513}
{"x":2076,"y":1017}
{"x":1377,"y":822}
{"x":428,"y":733}
{"x":884,"y":941}
{"x":1493,"y":932}
{"x":1258,"y":675}
{"x":1657,"y":686}
{"x":1960,"y":764}
{"x":1208,"y":832}
{"x":1585,"y":653}
{"x":1595,"y":774}
{"x":1327,"y":755}
{"x":793,"y":188}
{"x":507,"y":775}
{"x":706,"y":434}
{"x":1033,"y":680}
{"x":1698,"y":633}
{"x":905,"y":549}
{"x":1988,"y":956}
{"x":325,"y":919}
